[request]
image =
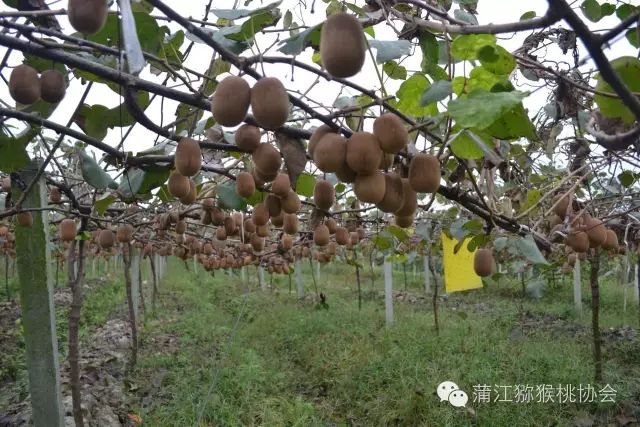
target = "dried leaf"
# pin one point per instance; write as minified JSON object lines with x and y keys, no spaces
{"x":294,"y":154}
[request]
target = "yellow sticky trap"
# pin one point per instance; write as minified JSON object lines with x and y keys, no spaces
{"x":458,"y":267}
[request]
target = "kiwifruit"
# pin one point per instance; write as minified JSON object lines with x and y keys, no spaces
{"x":273,"y":204}
{"x":124,"y":233}
{"x":578,"y":241}
{"x":342,"y":236}
{"x":354,"y":238}
{"x":363,"y":153}
{"x":270,"y":103}
{"x":221,"y":234}
{"x":230,"y":226}
{"x":24,"y":84}
{"x":346,"y":174}
{"x":321,"y":235}
{"x":596,"y":231}
{"x":181,"y":227}
{"x":316,"y":136}
{"x":291,"y":203}
{"x":424,"y":173}
{"x":54,"y":195}
{"x":174,"y":217}
{"x":260,"y":214}
{"x":324,"y":194}
{"x":404,"y":221}
{"x":267,"y":160}
{"x":391,"y":133}
{"x":191,"y":196}
{"x":247,"y":137}
{"x":290,"y":223}
{"x":257,"y":243}
{"x":24,"y":219}
{"x":245,"y":185}
{"x":230,"y":101}
{"x":238,"y":217}
{"x":217,"y":216}
{"x":53,"y":86}
{"x":361,"y":233}
{"x":554,"y":220}
{"x":331,"y":224}
{"x":249,"y":225}
{"x":178,"y":185}
{"x":387,"y":161}
{"x":263,"y":230}
{"x":571,"y":259}
{"x":561,"y":205}
{"x":342,"y":45}
{"x":67,"y":230}
{"x":281,"y":185}
{"x":410,"y":199}
{"x":483,"y":262}
{"x":393,"y":193}
{"x":329,"y":153}
{"x":3,"y":230}
{"x":205,"y":217}
{"x":277,"y":220}
{"x":6,"y":184}
{"x":612,"y":240}
{"x":370,"y":188}
{"x":87,"y":16}
{"x":106,"y":239}
{"x":188,"y":159}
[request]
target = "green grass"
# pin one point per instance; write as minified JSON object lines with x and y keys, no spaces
{"x":290,"y":363}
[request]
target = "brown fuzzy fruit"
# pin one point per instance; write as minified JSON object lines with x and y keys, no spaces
{"x":249,"y":226}
{"x":124,"y":233}
{"x":404,"y":221}
{"x":191,"y":196}
{"x":596,"y":231}
{"x":6,"y":184}
{"x":345,"y":174}
{"x":24,"y":219}
{"x":391,"y":133}
{"x":324,"y":194}
{"x":181,"y":227}
{"x":571,"y":259}
{"x":217,"y":216}
{"x":286,"y":242}
{"x":24,"y":84}
{"x":260,"y":214}
{"x":248,"y":137}
{"x":188,"y":159}
{"x":483,"y":262}
{"x":291,"y":203}
{"x":410,"y":199}
{"x":281,"y":185}
{"x":106,"y":239}
{"x":274,"y":205}
{"x":342,"y":45}
{"x":230,"y":101}
{"x":53,"y":86}
{"x":342,"y":236}
{"x":230,"y":226}
{"x":178,"y":185}
{"x":277,"y":220}
{"x":370,"y":188}
{"x":87,"y":16}
{"x":330,"y":152}
{"x":316,"y":136}
{"x":263,"y":230}
{"x":321,"y":235}
{"x":290,"y":223}
{"x":54,"y":195}
{"x":245,"y":185}
{"x":257,"y":243}
{"x":270,"y":103}
{"x":578,"y":241}
{"x":561,"y":205}
{"x":331,"y":224}
{"x":393,"y":193}
{"x":612,"y":240}
{"x":67,"y":230}
{"x":363,"y":154}
{"x":267,"y":160}
{"x":387,"y":161}
{"x":424,"y":173}
{"x":221,"y":233}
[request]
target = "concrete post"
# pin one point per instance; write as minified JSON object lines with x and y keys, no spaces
{"x":427,"y":274}
{"x":135,"y":281}
{"x":577,"y":288}
{"x":299,"y":282}
{"x":388,"y":292}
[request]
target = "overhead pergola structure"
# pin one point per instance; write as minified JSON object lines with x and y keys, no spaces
{"x":463,"y":107}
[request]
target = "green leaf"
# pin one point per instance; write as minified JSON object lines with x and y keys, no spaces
{"x":386,"y":50}
{"x":382,"y":243}
{"x":436,"y":92}
{"x":528,"y":15}
{"x":626,"y":178}
{"x":305,"y":184}
{"x":468,"y":46}
{"x":254,"y":25}
{"x":533,"y":196}
{"x":528,"y":249}
{"x":394,"y":70}
{"x":233,"y":14}
{"x":628,"y":69}
{"x":633,"y":36}
{"x":513,"y":124}
{"x":607,"y":9}
{"x":466,"y":147}
{"x":102,"y":204}
{"x":130,"y":183}
{"x":228,"y":197}
{"x":465,"y":16}
{"x":298,"y":43}
{"x":591,"y":9}
{"x":481,"y":108}
{"x":397,"y":232}
{"x":430,"y":50}
{"x":500,"y":61}
{"x":625,"y":10}
{"x":13,"y":151}
{"x":93,"y":174}
{"x":409,"y":95}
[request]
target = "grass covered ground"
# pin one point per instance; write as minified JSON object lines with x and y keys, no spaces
{"x":220,"y":352}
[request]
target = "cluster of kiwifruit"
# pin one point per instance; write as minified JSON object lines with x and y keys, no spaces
{"x":361,"y":159}
{"x":269,"y":103}
{"x":87,"y":16}
{"x":26,"y":87}
{"x":188,"y":160}
{"x":7,"y":241}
